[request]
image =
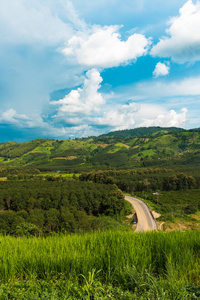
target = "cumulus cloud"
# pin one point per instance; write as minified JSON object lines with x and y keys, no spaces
{"x":87,"y":106}
{"x":183,"y":41}
{"x":161,"y":69}
{"x":103,"y":47}
{"x":110,"y":118}
{"x":82,"y":101}
{"x":167,"y":119}
{"x":122,"y":117}
{"x":134,"y":115}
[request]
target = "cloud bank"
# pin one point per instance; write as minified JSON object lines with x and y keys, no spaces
{"x":85,"y":111}
{"x":169,"y":119}
{"x":87,"y":105}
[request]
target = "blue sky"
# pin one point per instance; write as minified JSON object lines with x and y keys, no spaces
{"x":79,"y":68}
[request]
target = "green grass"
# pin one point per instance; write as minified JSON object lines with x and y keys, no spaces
{"x":123,"y":265}
{"x":3,"y":178}
{"x":117,"y":147}
{"x":91,"y":146}
{"x":148,"y":152}
{"x":43,"y":149}
{"x":111,"y":252}
{"x":57,"y":174}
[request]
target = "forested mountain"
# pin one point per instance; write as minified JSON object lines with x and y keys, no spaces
{"x":141,"y":147}
{"x":141,"y":132}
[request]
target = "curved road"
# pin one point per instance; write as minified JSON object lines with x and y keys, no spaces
{"x":144,"y":216}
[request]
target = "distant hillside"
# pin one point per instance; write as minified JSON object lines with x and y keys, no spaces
{"x":141,"y":147}
{"x":141,"y":132}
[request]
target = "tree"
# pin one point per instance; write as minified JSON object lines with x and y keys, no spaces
{"x":36,"y":217}
{"x":67,"y":221}
{"x":52,"y":220}
{"x":27,"y":229}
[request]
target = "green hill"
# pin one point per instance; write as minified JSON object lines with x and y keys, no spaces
{"x":140,"y":147}
{"x":141,"y":132}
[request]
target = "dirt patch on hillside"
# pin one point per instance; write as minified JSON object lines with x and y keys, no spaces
{"x":125,"y":146}
{"x":102,"y":145}
{"x":156,"y":215}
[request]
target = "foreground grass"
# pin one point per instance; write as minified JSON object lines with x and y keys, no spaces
{"x":104,"y":265}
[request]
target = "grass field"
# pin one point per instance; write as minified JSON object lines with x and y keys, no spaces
{"x":63,"y":174}
{"x":123,"y":265}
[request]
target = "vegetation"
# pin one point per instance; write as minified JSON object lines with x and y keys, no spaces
{"x":141,"y":147}
{"x":172,"y":195}
{"x":62,"y":230}
{"x":175,"y":204}
{"x":145,"y":179}
{"x":106,"y":265}
{"x":58,"y":205}
{"x":141,"y":132}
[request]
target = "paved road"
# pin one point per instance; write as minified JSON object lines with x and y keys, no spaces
{"x":145,"y":219}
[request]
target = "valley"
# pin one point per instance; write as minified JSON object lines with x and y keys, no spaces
{"x":65,"y":199}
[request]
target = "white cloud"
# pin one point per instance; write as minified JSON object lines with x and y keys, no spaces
{"x":79,"y":131}
{"x":82,"y":101}
{"x":87,"y":106}
{"x":36,"y":123}
{"x":108,"y":118}
{"x":103,"y":47}
{"x":183,"y":41}
{"x":166,"y":119}
{"x":26,"y":21}
{"x":10,"y":116}
{"x":74,"y":17}
{"x":161,"y":69}
{"x":122,"y":117}
{"x":134,"y":115}
{"x":160,"y":89}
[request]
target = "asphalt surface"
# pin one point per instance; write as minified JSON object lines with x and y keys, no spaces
{"x":145,"y":219}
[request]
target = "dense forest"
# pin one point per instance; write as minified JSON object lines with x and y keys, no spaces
{"x":172,"y":194}
{"x":61,"y":205}
{"x":143,"y":179}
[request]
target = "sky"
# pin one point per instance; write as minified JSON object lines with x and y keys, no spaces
{"x":81,"y":68}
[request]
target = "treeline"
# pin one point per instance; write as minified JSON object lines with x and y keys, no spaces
{"x":139,"y":132}
{"x":42,"y":207}
{"x":143,"y":180}
{"x":5,"y":172}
